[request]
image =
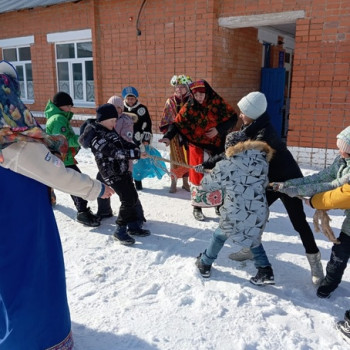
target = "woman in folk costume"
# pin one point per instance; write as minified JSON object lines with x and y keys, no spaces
{"x":204,"y":121}
{"x":178,"y":152}
{"x":34,"y":312}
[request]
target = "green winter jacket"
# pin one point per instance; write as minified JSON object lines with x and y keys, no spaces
{"x":58,"y":122}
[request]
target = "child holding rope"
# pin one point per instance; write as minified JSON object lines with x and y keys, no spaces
{"x":337,"y":174}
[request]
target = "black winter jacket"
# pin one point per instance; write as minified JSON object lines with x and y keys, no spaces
{"x":112,"y":153}
{"x":282,"y":166}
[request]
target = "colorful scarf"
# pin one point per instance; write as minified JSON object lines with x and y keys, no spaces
{"x":195,"y":119}
{"x":18,"y":124}
{"x":172,"y":107}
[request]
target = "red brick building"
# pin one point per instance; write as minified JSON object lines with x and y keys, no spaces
{"x":297,"y":52}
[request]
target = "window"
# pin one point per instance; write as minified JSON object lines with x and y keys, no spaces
{"x":75,"y":71}
{"x":20,"y":57}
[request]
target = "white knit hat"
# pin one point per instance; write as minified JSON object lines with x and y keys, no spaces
{"x":253,"y":105}
{"x":343,"y":140}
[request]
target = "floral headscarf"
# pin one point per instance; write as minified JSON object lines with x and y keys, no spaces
{"x":18,"y":124}
{"x":195,"y":119}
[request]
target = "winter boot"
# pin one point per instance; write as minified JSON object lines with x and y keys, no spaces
{"x":242,"y":255}
{"x":101,"y":216}
{"x":316,"y":267}
{"x":198,"y":214}
{"x":204,"y":270}
{"x":173,"y":185}
{"x":335,"y":267}
{"x":104,"y":209}
{"x":185,"y":185}
{"x":326,"y":288}
{"x":122,"y":237}
{"x":344,"y":326}
{"x":87,"y":218}
{"x":135,"y":229}
{"x":263,"y":277}
{"x":138,"y":185}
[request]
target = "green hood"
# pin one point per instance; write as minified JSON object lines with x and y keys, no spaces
{"x":51,"y":110}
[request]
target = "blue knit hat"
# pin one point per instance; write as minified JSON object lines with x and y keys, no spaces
{"x":130,"y":91}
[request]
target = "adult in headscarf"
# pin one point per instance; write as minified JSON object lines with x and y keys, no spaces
{"x":204,"y":121}
{"x":34,"y":312}
{"x":178,"y":152}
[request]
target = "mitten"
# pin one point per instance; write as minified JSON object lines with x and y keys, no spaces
{"x":199,"y":168}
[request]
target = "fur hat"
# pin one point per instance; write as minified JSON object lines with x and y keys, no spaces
{"x":8,"y":69}
{"x":197,"y":86}
{"x":343,"y":140}
{"x":234,"y":137}
{"x":130,"y":91}
{"x":106,"y":111}
{"x":253,"y":105}
{"x":117,"y":102}
{"x":180,"y":80}
{"x":62,"y":99}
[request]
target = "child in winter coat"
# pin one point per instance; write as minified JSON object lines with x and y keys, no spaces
{"x":112,"y":154}
{"x":338,"y":198}
{"x":243,"y":178}
{"x":125,"y":128}
{"x":337,"y":174}
{"x":58,"y":113}
{"x":143,"y":126}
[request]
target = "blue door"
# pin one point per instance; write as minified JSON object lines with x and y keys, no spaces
{"x":272,"y":85}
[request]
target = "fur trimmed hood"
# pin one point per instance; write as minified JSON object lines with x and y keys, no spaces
{"x":250,"y":145}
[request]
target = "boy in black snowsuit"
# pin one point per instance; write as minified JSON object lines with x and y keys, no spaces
{"x":112,"y":154}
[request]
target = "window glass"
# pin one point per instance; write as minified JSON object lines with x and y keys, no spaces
{"x":20,"y":57}
{"x":9,"y":54}
{"x":78,"y":81}
{"x":29,"y":75}
{"x":65,"y":51}
{"x":84,"y":49}
{"x":89,"y":74}
{"x":63,"y":76}
{"x":75,"y":71}
{"x":24,"y":53}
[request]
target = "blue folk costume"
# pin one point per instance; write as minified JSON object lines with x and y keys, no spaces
{"x":149,"y":167}
{"x":34,"y":312}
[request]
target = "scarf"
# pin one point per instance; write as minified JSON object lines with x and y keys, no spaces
{"x":18,"y":124}
{"x":195,"y":119}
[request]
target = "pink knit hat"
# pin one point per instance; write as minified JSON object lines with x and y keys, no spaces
{"x":116,"y":101}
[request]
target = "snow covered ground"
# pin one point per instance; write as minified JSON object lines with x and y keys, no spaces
{"x":150,"y":296}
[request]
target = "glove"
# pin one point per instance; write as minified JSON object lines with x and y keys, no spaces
{"x":199,"y":168}
{"x":277,"y":186}
{"x":291,"y":191}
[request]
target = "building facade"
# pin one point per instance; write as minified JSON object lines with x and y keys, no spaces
{"x":296,"y":52}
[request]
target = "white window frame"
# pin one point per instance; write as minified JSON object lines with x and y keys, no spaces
{"x":73,"y":37}
{"x":18,"y":43}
